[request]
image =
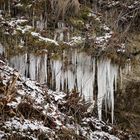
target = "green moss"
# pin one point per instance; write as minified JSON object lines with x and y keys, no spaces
{"x":76,"y":22}
{"x":55,"y":56}
{"x":84,"y":12}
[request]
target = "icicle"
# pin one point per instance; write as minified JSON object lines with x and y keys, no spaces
{"x":79,"y":72}
{"x":32,"y":67}
{"x":45,"y":65}
{"x":121,"y":83}
{"x":88,"y":78}
{"x":2,"y":49}
{"x":57,"y":73}
{"x":9,"y":7}
{"x":101,"y":79}
{"x":71,"y":79}
{"x":37,"y":67}
{"x":26,"y":66}
{"x":19,"y":63}
{"x":61,"y":36}
{"x":40,"y":24}
{"x":43,"y":69}
{"x":107,"y":77}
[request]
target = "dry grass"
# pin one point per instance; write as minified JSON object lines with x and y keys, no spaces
{"x":7,"y":93}
{"x":61,"y":8}
{"x":74,"y":106}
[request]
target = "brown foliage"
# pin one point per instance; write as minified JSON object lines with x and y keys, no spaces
{"x":61,"y":8}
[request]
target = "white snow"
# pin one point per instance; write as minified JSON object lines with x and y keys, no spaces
{"x":103,"y":39}
{"x":44,"y":39}
{"x":16,"y":22}
{"x":19,"y":5}
{"x":15,"y":103}
{"x":26,"y":125}
{"x":2,"y":135}
{"x":24,"y":29}
{"x":102,"y":135}
{"x":59,"y":96}
{"x":76,"y":40}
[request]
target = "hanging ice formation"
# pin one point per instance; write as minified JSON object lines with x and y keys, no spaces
{"x":107,"y":80}
{"x":34,"y":67}
{"x":2,"y":49}
{"x":75,"y":70}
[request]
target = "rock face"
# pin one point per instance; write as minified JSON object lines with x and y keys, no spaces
{"x":127,"y":101}
{"x":128,"y":108}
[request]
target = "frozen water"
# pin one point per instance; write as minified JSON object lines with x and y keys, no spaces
{"x":73,"y":71}
{"x":106,"y":77}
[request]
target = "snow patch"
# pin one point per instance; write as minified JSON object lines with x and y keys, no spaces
{"x":44,"y":39}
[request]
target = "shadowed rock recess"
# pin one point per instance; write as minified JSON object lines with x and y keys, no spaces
{"x":69,"y":69}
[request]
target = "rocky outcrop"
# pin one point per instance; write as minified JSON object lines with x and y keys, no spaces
{"x":127,"y":101}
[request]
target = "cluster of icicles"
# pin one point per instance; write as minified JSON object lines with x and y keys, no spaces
{"x":75,"y":70}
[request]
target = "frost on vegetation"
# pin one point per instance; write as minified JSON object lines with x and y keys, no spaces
{"x":106,"y":28}
{"x":122,"y":49}
{"x":113,"y":3}
{"x":102,"y":40}
{"x":76,"y":40}
{"x":26,"y":125}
